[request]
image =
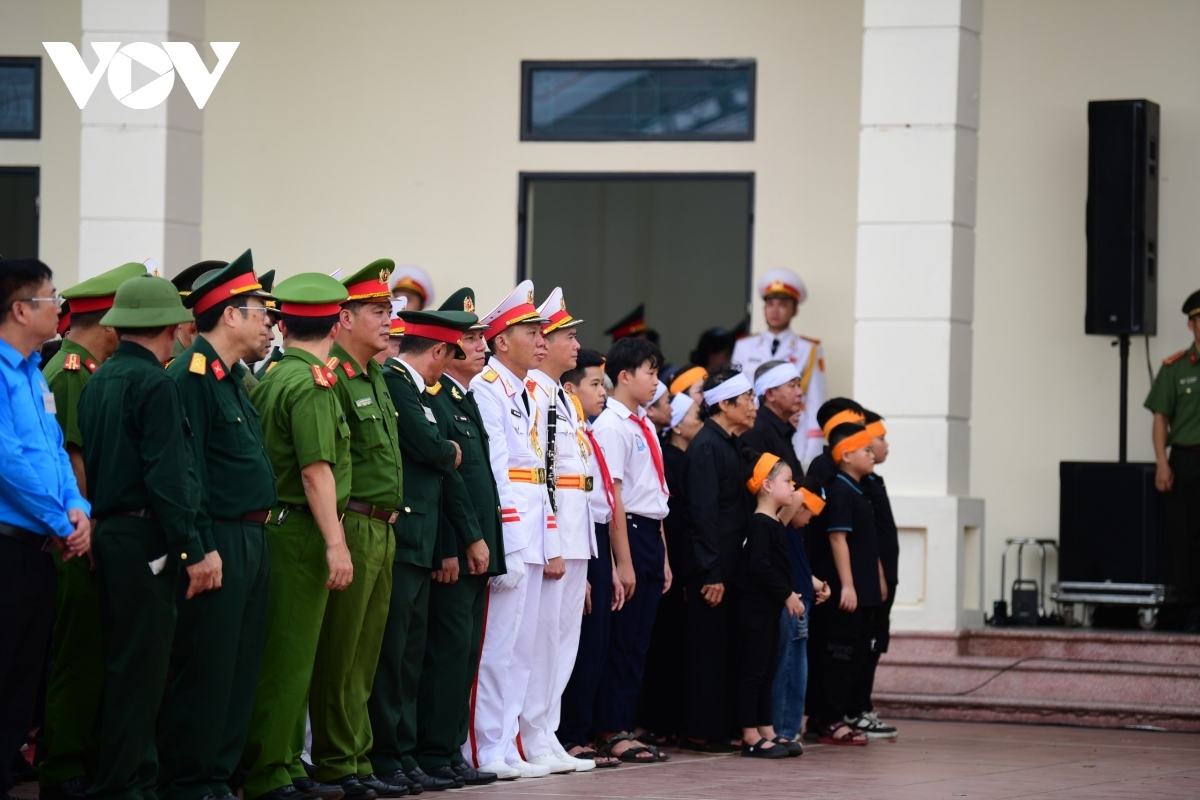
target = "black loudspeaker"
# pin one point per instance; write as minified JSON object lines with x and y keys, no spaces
{"x":1109,"y":525}
{"x":1122,"y":218}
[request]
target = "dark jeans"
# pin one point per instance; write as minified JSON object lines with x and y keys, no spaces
{"x":27,"y":584}
{"x":579,"y":698}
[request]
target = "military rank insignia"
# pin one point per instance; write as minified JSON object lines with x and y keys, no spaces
{"x":330,"y":376}
{"x":218,"y":370}
{"x":319,"y":377}
{"x":72,"y":363}
{"x":332,"y":362}
{"x":454,"y":393}
{"x":271,"y":366}
{"x":531,"y":385}
{"x":91,"y":364}
{"x":491,"y":375}
{"x":434,"y":389}
{"x":199,"y":364}
{"x":348,"y":369}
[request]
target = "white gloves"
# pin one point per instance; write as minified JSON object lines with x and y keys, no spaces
{"x":511,"y":579}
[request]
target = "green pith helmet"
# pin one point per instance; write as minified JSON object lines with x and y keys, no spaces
{"x":104,"y":285}
{"x":146,"y":302}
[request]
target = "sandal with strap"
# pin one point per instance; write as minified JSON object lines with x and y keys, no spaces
{"x":629,"y":756}
{"x":793,"y":747}
{"x":854,"y":738}
{"x":588,"y":754}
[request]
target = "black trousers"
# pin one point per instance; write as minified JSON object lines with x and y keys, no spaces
{"x":660,"y":708}
{"x":1181,"y":528}
{"x":842,"y":638}
{"x":27,"y":585}
{"x":579,"y":698}
{"x":758,"y":652}
{"x":708,"y":708}
{"x":878,"y":637}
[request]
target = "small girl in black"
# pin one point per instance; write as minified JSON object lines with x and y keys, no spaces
{"x":764,"y":577}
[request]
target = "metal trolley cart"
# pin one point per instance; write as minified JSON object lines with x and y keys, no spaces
{"x":1148,"y":597}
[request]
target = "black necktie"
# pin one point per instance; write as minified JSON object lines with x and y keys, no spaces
{"x":525,"y":400}
{"x":774,"y":346}
{"x":551,"y":435}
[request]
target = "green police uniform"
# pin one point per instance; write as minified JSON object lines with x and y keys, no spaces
{"x":303,"y":424}
{"x":77,"y":660}
{"x":456,"y":611}
{"x":141,"y":477}
{"x":1175,"y":394}
{"x":219,"y":635}
{"x":430,"y":478}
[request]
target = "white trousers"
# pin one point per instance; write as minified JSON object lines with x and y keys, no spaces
{"x":504,"y":666}
{"x":570,"y":621}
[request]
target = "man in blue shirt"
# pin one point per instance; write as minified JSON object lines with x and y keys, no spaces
{"x":40,"y":504}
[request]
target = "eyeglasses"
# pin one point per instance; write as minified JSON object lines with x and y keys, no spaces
{"x":261,"y":309}
{"x":55,"y":298}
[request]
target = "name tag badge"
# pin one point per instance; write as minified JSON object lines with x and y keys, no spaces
{"x":429,"y":414}
{"x":48,"y":402}
{"x":515,"y":413}
{"x":363,"y":402}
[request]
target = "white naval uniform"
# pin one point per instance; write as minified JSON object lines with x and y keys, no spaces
{"x":561,"y":609}
{"x":511,"y":620}
{"x":754,"y":351}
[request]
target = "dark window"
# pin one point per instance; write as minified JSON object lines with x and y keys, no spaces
{"x":20,"y":98}
{"x":19,"y":212}
{"x":637,"y":100}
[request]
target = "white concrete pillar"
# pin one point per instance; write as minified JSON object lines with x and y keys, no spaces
{"x":140,"y":170}
{"x":915,"y":287}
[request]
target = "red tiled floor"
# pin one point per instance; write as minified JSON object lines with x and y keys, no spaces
{"x":930,"y":760}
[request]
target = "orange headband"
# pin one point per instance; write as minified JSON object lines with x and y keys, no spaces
{"x":876,"y":429}
{"x":685,"y":379}
{"x":814,"y":503}
{"x":837,"y":419}
{"x":851,"y":443}
{"x":766,"y":463}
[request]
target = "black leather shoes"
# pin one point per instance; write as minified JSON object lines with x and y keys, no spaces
{"x":355,"y":789}
{"x":384,"y":789}
{"x":419,"y":776}
{"x":446,"y":773}
{"x":398,"y":777}
{"x":472,"y":776}
{"x":285,"y":793}
{"x":324,"y":791}
{"x":70,"y":789}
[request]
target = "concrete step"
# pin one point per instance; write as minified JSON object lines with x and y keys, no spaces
{"x":1074,"y":677}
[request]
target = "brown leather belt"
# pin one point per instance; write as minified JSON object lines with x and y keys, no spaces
{"x":388,"y":515}
{"x":261,"y":517}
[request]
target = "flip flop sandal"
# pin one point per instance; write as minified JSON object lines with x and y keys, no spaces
{"x":853,"y":739}
{"x":592,"y":755}
{"x":629,"y":756}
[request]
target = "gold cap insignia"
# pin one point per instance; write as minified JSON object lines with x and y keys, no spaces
{"x":468,"y":305}
{"x":562,"y":303}
{"x":531,"y":295}
{"x":383,"y":276}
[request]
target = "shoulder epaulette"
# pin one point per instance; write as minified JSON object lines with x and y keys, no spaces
{"x":332,"y":362}
{"x":433,"y":389}
{"x":398,"y":368}
{"x":199,"y":364}
{"x":72,"y":363}
{"x":814,"y":341}
{"x":491,"y":375}
{"x":91,"y":365}
{"x":323,"y":377}
{"x":168,"y":363}
{"x":1171,"y":359}
{"x":271,"y":366}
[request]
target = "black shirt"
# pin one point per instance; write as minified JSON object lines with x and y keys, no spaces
{"x":719,"y":502}
{"x":678,"y":524}
{"x":773,"y":434}
{"x":849,"y":511}
{"x":885,"y":526}
{"x":765,"y":567}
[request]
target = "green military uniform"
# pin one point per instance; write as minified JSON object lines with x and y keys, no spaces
{"x":184,"y":282}
{"x":77,"y":658}
{"x":303,"y":425}
{"x":429,"y":478}
{"x":456,"y":611}
{"x":1175,"y":394}
{"x":276,"y":355}
{"x":141,"y":477}
{"x":218,"y":643}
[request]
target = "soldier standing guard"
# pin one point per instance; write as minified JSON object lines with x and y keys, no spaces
{"x":218,"y":643}
{"x":308,"y":443}
{"x":138,"y":457}
{"x":783,"y":292}
{"x":561,"y":609}
{"x":456,"y":608}
{"x":352,"y":631}
{"x":1175,"y":400}
{"x":514,"y":335}
{"x":432,"y":489}
{"x":77,"y":671}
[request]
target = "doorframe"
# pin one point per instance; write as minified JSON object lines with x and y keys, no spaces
{"x":526,"y":178}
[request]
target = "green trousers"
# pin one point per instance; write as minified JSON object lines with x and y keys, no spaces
{"x":393,"y":705}
{"x":215,"y":660}
{"x":348,"y":653}
{"x":137,"y":623}
{"x":453,"y":642}
{"x":76,"y":676}
{"x":295,"y":607}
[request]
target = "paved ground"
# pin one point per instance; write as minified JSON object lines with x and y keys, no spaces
{"x":930,"y":760}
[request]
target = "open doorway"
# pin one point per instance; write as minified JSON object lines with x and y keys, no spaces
{"x":679,"y":243}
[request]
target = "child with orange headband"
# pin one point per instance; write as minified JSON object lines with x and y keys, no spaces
{"x":849,"y":559}
{"x":764,"y":576}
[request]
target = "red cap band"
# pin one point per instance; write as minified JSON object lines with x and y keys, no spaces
{"x":85,"y":305}
{"x":310,"y":310}
{"x":522,"y":313}
{"x":624,"y":331}
{"x":557,"y":320}
{"x":64,"y":324}
{"x":436,"y":332}
{"x":246,"y":282}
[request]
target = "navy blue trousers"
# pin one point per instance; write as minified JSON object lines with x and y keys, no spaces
{"x":579,"y":698}
{"x":632,"y":628}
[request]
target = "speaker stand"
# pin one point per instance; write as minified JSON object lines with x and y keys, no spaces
{"x":1123,"y":343}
